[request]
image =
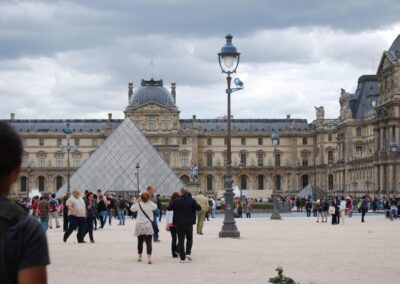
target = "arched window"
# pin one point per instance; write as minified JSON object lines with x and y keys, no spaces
{"x":260,"y":180}
{"x":41,"y":181}
{"x":59,"y":182}
{"x":24,"y":184}
{"x":209,"y":183}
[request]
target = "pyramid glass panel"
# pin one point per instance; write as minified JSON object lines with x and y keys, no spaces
{"x":112,"y":168}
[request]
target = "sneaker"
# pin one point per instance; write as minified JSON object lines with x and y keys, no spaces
{"x":189,"y":257}
{"x":184,"y":261}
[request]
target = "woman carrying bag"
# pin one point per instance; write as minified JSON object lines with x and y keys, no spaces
{"x":144,"y":225}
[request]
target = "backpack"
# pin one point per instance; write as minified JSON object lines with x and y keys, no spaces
{"x":52,"y":205}
{"x":359,"y":204}
{"x":10,"y":214}
{"x":122,"y":204}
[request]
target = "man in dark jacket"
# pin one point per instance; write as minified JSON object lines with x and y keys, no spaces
{"x":184,"y":208}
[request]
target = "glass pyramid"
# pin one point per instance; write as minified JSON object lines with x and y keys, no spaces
{"x":112,"y":167}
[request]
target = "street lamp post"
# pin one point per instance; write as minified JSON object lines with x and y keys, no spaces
{"x":137,"y":177}
{"x":394,"y":148}
{"x":275,"y":214}
{"x":68,"y":134}
{"x":228,"y":60}
{"x":240,"y":180}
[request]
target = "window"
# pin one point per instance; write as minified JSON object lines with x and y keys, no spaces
{"x":278,"y":160}
{"x":24,"y":184}
{"x":76,"y":141}
{"x":59,"y":182}
{"x":59,"y":142}
{"x":41,"y":183}
{"x":209,"y":159}
{"x":304,"y":157}
{"x":330,"y":156}
{"x":152,"y":124}
{"x":41,"y":142}
{"x":304,"y":141}
{"x":243,"y":157}
{"x":184,"y":141}
{"x":278,"y":182}
{"x":25,"y":162}
{"x":209,"y":183}
{"x":166,"y":157}
{"x":359,"y":150}
{"x":185,"y":160}
{"x":260,"y":180}
{"x":209,"y":141}
{"x":330,"y":181}
{"x":330,"y":137}
{"x":260,"y":141}
{"x":358,"y":131}
{"x":167,"y":124}
{"x":225,"y":159}
{"x":243,"y":141}
{"x":59,"y":160}
{"x":260,"y":159}
{"x":243,"y":182}
{"x":94,"y":142}
{"x":166,"y":141}
{"x":77,"y":161}
{"x":225,"y":141}
{"x":41,"y":160}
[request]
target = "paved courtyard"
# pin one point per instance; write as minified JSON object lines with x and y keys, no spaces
{"x":308,"y":252}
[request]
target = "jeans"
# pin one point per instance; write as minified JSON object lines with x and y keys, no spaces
{"x":213,"y":212}
{"x":185,"y":232}
{"x":155,"y":221}
{"x":109,"y":215}
{"x":147,"y":239}
{"x":76,"y":222}
{"x":102,"y":217}
{"x":45,"y":222}
{"x":121,"y":216}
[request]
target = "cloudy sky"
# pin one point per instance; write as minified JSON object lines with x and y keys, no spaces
{"x":74,"y":59}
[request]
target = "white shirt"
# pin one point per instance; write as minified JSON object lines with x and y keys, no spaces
{"x":342,"y":204}
{"x":78,"y":204}
{"x":147,"y":207}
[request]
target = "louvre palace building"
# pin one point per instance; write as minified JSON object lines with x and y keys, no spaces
{"x":354,"y":153}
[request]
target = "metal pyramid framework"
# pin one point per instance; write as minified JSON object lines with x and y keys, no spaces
{"x":112,"y":167}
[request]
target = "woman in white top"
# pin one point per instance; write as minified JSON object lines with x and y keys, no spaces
{"x":342,"y":209}
{"x":144,"y":226}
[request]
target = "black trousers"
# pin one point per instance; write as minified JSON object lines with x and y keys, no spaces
{"x":76,"y":222}
{"x":185,"y":232}
{"x":65,"y":218}
{"x":363,"y":211}
{"x":89,"y":226}
{"x":141,"y":240}
{"x":174,"y":245}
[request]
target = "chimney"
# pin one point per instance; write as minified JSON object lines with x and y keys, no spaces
{"x":173,"y":91}
{"x":109,"y":116}
{"x":288,"y":116}
{"x":130,"y":90}
{"x":194,"y":124}
{"x":12,"y":116}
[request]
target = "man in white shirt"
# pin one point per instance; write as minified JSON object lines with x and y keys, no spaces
{"x":77,"y":216}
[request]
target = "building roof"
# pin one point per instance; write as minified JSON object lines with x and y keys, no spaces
{"x":395,"y":48}
{"x":151,"y":91}
{"x":361,"y":100}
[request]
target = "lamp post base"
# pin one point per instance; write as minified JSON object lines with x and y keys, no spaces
{"x":229,"y":231}
{"x":276,"y":216}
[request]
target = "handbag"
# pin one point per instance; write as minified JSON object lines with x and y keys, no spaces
{"x":153,"y":224}
{"x":332,"y":210}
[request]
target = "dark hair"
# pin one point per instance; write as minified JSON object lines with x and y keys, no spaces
{"x":11,"y":149}
{"x":53,"y":195}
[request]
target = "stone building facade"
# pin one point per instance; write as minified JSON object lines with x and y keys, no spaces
{"x":349,"y":154}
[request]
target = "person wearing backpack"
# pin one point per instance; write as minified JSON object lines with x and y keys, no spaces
{"x":121,"y":211}
{"x":53,"y":211}
{"x":23,"y":243}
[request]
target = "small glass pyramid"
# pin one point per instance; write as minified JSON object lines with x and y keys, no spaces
{"x":112,"y":168}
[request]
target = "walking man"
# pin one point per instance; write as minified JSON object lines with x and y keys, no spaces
{"x":203,"y":202}
{"x":77,"y":216}
{"x":53,"y":211}
{"x":184,"y":208}
{"x":23,"y":244}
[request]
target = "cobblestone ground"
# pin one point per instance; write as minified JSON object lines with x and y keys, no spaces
{"x":309,"y":252}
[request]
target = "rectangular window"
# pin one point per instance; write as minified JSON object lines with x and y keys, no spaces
{"x":94,"y":142}
{"x":166,"y":157}
{"x":278,"y":160}
{"x":59,"y":142}
{"x":77,"y":161}
{"x":359,"y":150}
{"x":184,"y":141}
{"x":166,"y":141}
{"x":59,"y":161}
{"x":209,"y":159}
{"x":225,"y":159}
{"x":330,"y":137}
{"x":260,"y":141}
{"x":358,"y":131}
{"x":185,"y":160}
{"x":41,"y":160}
{"x":243,"y":157}
{"x":260,"y":182}
{"x":260,"y":159}
{"x":152,"y":124}
{"x":305,"y":158}
{"x":330,"y":156}
{"x":225,"y":141}
{"x":304,"y":141}
{"x":41,"y":142}
{"x":76,"y":141}
{"x":209,"y":141}
{"x":243,"y":142}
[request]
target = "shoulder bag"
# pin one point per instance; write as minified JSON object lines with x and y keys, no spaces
{"x":155,"y":227}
